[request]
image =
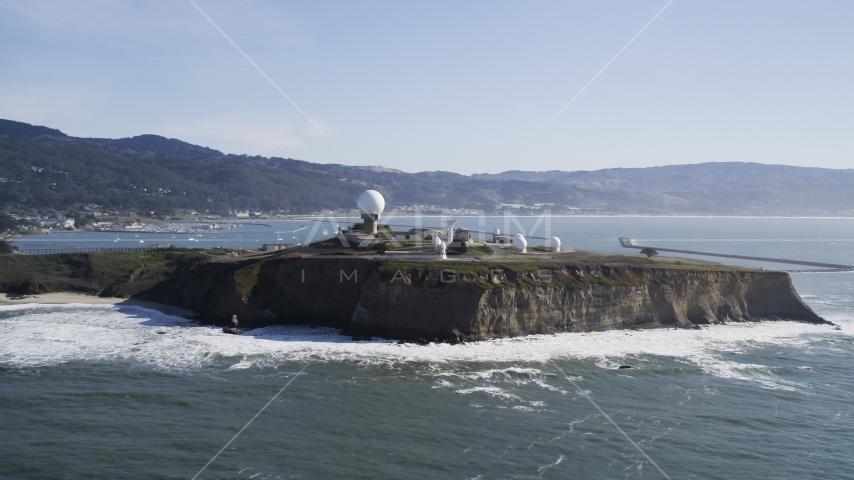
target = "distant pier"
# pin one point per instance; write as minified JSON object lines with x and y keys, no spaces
{"x":43,"y":251}
{"x":827,"y":267}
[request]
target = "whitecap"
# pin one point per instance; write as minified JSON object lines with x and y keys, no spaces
{"x":495,"y":392}
{"x":36,"y":335}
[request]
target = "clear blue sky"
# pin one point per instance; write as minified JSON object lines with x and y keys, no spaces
{"x":458,"y":86}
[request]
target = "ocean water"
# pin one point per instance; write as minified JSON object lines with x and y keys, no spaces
{"x":127,"y":392}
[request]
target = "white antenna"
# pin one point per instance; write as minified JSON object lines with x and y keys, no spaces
{"x":450,"y":223}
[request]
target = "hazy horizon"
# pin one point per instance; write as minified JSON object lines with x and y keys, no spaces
{"x":454,"y":87}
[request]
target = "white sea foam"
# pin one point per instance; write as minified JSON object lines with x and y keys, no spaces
{"x":491,"y":391}
{"x":41,"y":335}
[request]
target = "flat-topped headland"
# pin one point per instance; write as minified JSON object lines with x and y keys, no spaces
{"x":479,"y":299}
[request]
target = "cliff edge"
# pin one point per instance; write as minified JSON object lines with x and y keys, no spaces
{"x":477,"y":300}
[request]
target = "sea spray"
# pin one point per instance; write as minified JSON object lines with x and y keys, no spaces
{"x":40,"y":335}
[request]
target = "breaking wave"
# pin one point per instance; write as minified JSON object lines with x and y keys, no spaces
{"x":45,"y":335}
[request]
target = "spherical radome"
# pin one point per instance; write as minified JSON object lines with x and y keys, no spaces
{"x":519,"y":242}
{"x":554,"y":244}
{"x":496,"y":232}
{"x":371,"y":202}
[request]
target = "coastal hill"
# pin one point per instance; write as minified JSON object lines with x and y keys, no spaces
{"x":43,"y":168}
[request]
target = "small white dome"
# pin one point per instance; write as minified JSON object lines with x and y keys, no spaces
{"x":371,"y":202}
{"x":496,"y":232}
{"x":554,"y":244}
{"x":519,"y":242}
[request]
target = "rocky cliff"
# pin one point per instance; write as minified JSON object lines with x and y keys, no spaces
{"x":477,"y":300}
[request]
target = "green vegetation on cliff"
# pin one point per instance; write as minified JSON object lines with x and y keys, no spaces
{"x":107,"y":274}
{"x":246,"y":278}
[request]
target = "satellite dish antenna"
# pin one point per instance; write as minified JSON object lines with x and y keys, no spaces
{"x":450,"y":223}
{"x":519,"y":243}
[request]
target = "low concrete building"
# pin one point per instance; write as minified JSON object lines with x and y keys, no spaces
{"x":355,"y":236}
{"x":402,"y":236}
{"x":275,"y":247}
{"x":414,"y":234}
{"x":502,"y":239}
{"x":462,"y":235}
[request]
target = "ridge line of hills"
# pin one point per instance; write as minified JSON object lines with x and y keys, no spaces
{"x":42,"y":168}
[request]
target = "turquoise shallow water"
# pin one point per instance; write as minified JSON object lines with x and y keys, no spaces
{"x":124,"y":392}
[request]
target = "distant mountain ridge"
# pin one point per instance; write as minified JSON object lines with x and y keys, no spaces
{"x":699,"y":175}
{"x":140,"y":145}
{"x":25,"y":131}
{"x":297,"y":186}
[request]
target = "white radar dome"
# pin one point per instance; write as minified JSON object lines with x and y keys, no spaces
{"x":496,"y":232}
{"x":554,"y":244}
{"x":371,"y":202}
{"x":519,"y":242}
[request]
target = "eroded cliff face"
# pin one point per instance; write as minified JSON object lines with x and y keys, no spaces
{"x":574,"y":298}
{"x":477,"y":300}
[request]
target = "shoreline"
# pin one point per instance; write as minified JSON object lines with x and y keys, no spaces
{"x":68,"y":298}
{"x":601,"y":215}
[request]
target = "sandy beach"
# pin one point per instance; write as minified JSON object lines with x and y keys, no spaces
{"x":64,"y":298}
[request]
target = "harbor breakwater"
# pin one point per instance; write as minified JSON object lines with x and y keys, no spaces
{"x":477,"y":300}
